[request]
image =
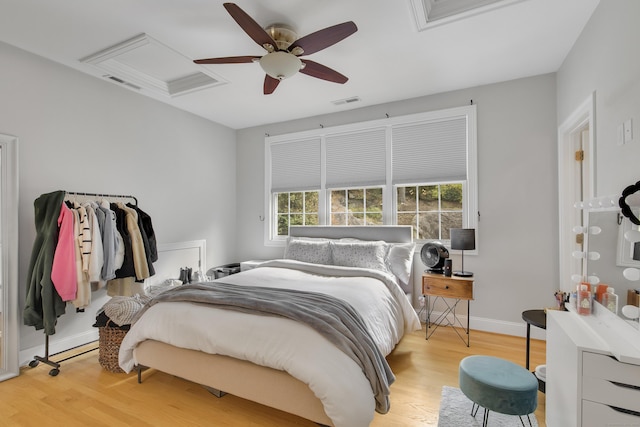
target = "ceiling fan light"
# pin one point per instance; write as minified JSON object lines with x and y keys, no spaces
{"x":280,"y":65}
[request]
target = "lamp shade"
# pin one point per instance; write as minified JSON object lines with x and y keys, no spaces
{"x":463,"y":238}
{"x":280,"y":65}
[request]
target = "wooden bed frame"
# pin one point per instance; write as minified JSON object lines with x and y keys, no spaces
{"x":267,"y":386}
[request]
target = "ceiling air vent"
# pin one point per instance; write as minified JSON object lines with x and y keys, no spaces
{"x":145,"y":64}
{"x":122,"y":82}
{"x":347,"y":100}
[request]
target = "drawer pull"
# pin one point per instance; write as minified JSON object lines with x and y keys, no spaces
{"x":446,"y":287}
{"x":634,"y":387}
{"x":625,"y":411}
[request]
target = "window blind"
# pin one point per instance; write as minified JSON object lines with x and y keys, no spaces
{"x":295,"y":166}
{"x":430,"y":151}
{"x":356,"y":159}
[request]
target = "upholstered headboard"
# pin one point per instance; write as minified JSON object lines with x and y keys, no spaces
{"x":388,"y":233}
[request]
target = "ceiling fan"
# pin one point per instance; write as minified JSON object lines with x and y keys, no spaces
{"x":284,"y":49}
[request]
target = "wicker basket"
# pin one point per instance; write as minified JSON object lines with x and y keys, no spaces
{"x":109,"y":347}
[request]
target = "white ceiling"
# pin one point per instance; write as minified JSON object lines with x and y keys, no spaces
{"x":387,"y":59}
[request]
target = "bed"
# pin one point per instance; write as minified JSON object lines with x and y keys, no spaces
{"x":284,"y":363}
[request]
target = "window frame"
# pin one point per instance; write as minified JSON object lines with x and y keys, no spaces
{"x":276,"y":213}
{"x":439,"y":211}
{"x":347,"y":189}
{"x":470,"y":185}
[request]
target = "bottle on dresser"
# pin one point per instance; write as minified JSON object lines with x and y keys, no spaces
{"x":583,"y":303}
{"x":610,"y":300}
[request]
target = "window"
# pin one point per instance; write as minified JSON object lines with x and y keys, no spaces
{"x":361,"y":206}
{"x":432,"y":210}
{"x":417,"y":170}
{"x":300,"y":208}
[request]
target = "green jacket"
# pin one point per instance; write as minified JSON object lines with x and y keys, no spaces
{"x":43,"y":304}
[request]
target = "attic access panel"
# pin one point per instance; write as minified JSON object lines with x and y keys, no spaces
{"x":146,"y":64}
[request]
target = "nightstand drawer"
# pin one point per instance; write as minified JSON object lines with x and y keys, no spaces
{"x":448,"y":287}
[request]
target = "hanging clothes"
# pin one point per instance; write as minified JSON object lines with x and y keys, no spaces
{"x":83,"y":296}
{"x":148,"y":236}
{"x":109,"y":243}
{"x":140,"y":262}
{"x":83,"y":247}
{"x":96,"y":257}
{"x":43,"y":305}
{"x":127,"y":268}
{"x":63,"y":271}
{"x":129,"y":278}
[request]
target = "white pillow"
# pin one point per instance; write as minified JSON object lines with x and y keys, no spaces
{"x":316,"y":251}
{"x":400,"y":260}
{"x":359,"y":254}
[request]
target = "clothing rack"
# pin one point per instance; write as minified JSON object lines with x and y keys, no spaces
{"x":56,"y":365}
{"x":118,"y":196}
{"x":46,"y":358}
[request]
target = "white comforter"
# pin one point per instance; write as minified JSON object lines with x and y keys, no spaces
{"x":283,"y":344}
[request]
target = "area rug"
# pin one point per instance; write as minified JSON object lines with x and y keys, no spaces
{"x":455,"y":411}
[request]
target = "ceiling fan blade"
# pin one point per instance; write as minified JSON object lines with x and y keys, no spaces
{"x":270,"y":84}
{"x":320,"y":71}
{"x":321,"y":39}
{"x":227,"y":60}
{"x":251,"y":27}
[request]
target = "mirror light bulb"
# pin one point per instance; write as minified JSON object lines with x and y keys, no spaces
{"x":631,"y":311}
{"x":632,"y":274}
{"x":593,"y":280}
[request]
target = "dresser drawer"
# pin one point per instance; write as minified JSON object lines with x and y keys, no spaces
{"x":610,"y":393}
{"x":597,"y":414}
{"x":608,"y":368}
{"x":447,"y":287}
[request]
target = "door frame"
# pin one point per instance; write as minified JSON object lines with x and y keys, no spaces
{"x":9,"y":367}
{"x":583,"y":118}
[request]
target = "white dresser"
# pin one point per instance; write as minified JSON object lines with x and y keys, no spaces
{"x":593,"y":371}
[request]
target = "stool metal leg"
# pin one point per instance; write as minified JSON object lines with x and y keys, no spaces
{"x":522,"y":421}
{"x":474,"y":409}
{"x":485,"y":420}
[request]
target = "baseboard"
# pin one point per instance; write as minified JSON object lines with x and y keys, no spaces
{"x":57,"y":346}
{"x":518,"y":329}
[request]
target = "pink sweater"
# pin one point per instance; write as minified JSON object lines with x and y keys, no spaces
{"x":63,"y":272}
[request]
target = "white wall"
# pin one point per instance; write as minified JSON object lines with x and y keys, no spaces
{"x":77,"y":133}
{"x":516,"y":267}
{"x":606,"y":60}
{"x":180,"y":166}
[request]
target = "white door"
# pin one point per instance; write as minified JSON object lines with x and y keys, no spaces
{"x":575,"y":176}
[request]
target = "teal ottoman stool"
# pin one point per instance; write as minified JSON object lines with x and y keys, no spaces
{"x":498,"y":385}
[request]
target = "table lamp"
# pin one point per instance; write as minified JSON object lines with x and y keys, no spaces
{"x":463,"y":239}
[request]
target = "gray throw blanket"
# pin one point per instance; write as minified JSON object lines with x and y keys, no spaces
{"x":334,"y":318}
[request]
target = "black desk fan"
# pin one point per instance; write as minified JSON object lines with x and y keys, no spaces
{"x":433,"y":255}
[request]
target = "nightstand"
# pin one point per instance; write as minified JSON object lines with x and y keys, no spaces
{"x":438,"y":287}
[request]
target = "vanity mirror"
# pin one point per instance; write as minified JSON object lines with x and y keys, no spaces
{"x":629,"y":232}
{"x":629,"y":200}
{"x":615,"y":237}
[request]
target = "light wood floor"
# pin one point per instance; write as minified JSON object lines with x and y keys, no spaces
{"x":84,"y":394}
